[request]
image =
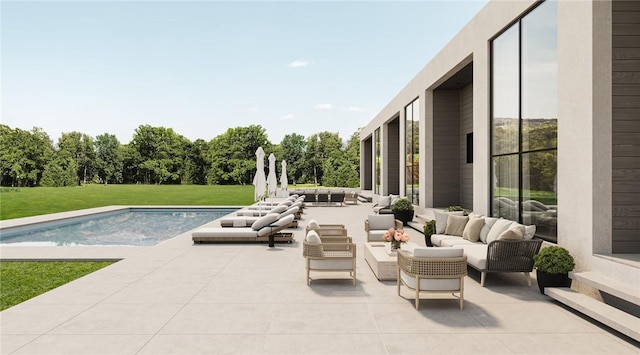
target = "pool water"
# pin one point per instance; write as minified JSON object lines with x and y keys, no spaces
{"x":133,"y":227}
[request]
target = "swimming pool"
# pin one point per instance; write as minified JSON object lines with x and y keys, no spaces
{"x":129,"y":226}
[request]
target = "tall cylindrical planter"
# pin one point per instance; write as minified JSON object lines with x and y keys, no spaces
{"x":552,"y":280}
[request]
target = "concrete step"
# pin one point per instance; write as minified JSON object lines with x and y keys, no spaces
{"x":613,"y":287}
{"x":621,"y":321}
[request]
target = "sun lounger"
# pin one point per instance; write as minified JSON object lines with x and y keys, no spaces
{"x":261,"y":231}
{"x":247,"y":221}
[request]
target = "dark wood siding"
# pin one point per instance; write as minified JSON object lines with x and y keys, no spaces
{"x":393,"y":155}
{"x":466,"y":127}
{"x":626,"y":126}
{"x":446,"y":148}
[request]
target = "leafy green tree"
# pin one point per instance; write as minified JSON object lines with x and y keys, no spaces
{"x":161,"y":152}
{"x":108,"y":161}
{"x":23,"y":156}
{"x":293,"y":148}
{"x":60,"y":171}
{"x":79,"y":146}
{"x":231,"y":155}
{"x":320,"y":146}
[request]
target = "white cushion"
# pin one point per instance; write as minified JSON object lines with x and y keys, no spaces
{"x":455,"y":225}
{"x":313,"y":224}
{"x":476,"y":255}
{"x":500,"y":226}
{"x":377,"y":235}
{"x":431,"y":284}
{"x":488,"y":223}
{"x":455,"y":242}
{"x":384,"y":201}
{"x":472,"y":229}
{"x":437,"y":239}
{"x":529,"y":232}
{"x":332,"y":264}
{"x":422,"y":252}
{"x":313,"y":237}
{"x":382,"y":221}
{"x":264,"y":221}
{"x":441,"y":221}
{"x":279,"y":209}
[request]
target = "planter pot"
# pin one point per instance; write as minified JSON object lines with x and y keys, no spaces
{"x":404,"y":216}
{"x":552,"y":280}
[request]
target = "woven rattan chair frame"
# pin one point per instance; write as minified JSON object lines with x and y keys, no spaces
{"x":432,"y":268}
{"x":511,"y":256}
{"x":330,"y":251}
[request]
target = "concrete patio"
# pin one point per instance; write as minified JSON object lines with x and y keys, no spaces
{"x":181,"y":298}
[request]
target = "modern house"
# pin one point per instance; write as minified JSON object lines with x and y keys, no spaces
{"x":532,"y":113}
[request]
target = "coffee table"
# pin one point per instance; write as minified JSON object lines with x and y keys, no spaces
{"x":382,"y":264}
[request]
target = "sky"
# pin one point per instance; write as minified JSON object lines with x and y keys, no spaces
{"x":202,"y":67}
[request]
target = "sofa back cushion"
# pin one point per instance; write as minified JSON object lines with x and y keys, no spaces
{"x":484,"y":232}
{"x":441,"y":221}
{"x":381,"y":221}
{"x":500,"y":226}
{"x":472,"y":229}
{"x":455,"y":225}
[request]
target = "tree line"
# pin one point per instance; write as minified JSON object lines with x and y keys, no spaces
{"x":158,"y":155}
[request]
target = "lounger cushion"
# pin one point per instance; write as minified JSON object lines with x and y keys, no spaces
{"x":264,"y":221}
{"x":225,"y":232}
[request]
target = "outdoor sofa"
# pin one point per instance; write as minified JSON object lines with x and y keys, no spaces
{"x":490,"y":244}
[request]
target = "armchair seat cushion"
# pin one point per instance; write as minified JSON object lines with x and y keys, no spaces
{"x":332,"y":264}
{"x":431,"y":284}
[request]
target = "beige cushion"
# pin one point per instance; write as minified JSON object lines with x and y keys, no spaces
{"x":385,"y":201}
{"x":500,"y":226}
{"x":455,"y":225}
{"x":488,"y":223}
{"x":431,"y":284}
{"x":472,"y":229}
{"x":441,"y":221}
{"x":313,"y":237}
{"x":515,"y":232}
{"x":332,"y":264}
{"x":264,"y":221}
{"x":529,"y":232}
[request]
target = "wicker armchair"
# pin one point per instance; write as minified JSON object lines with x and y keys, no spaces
{"x":377,"y":225}
{"x":511,"y":256}
{"x":433,"y":270}
{"x":329,"y":254}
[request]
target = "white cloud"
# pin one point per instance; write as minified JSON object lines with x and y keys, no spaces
{"x":323,"y":107}
{"x":354,"y":109}
{"x":298,"y":64}
{"x":253,"y":109}
{"x":289,"y":116}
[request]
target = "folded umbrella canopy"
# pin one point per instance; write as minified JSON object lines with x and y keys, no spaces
{"x":259,"y":180}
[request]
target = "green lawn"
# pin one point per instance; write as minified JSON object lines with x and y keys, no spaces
{"x":23,"y":202}
{"x":22,"y":280}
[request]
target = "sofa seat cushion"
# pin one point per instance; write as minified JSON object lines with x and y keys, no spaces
{"x":431,"y":284}
{"x":377,"y":235}
{"x":455,"y":242}
{"x":436,"y":239}
{"x":476,"y":255}
{"x":332,"y":264}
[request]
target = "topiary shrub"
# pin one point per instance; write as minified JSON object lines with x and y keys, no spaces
{"x":402,"y":204}
{"x":554,"y":260}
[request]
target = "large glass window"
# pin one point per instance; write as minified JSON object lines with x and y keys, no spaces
{"x":377,"y":163}
{"x":412,"y":151}
{"x":525,"y":121}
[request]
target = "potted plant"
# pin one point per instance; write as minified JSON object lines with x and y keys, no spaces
{"x":552,"y":265}
{"x":428,"y":230}
{"x":457,"y":210}
{"x":402,"y":210}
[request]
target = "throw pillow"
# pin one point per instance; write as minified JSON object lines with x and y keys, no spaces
{"x":488,"y":223}
{"x":455,"y":225}
{"x":500,"y":226}
{"x":441,"y":221}
{"x":472,"y":229}
{"x":529,"y":232}
{"x":313,"y":237}
{"x":515,"y":232}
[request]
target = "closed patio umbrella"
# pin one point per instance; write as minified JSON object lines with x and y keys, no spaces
{"x":272,"y":182}
{"x":259,"y":180}
{"x":284,"y":183}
